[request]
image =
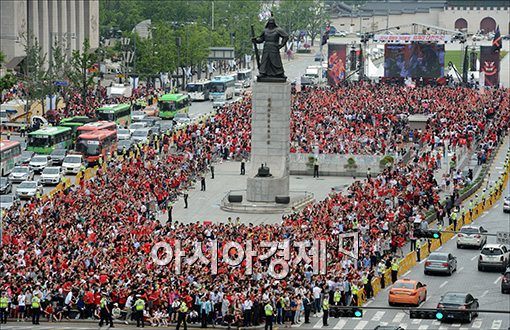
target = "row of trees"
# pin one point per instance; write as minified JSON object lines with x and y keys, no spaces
{"x":57,"y":73}
{"x":201,"y":24}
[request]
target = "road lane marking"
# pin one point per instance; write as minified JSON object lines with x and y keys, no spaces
{"x":416,"y":321}
{"x":407,"y":272}
{"x":361,"y":325}
{"x":484,"y":293}
{"x":443,"y":327}
{"x":423,"y":327}
{"x":398,"y":317}
{"x":443,"y":284}
{"x":496,"y":324}
{"x":474,"y":257}
{"x":378,"y":316}
{"x":439,"y":248}
{"x":341,"y":324}
{"x":477,"y":324}
{"x":422,"y":261}
{"x":460,"y":269}
{"x":318,"y":325}
{"x":403,"y":325}
{"x":456,"y":325}
{"x":484,"y":214}
{"x":368,"y":303}
{"x":497,"y":205}
{"x":497,"y":280}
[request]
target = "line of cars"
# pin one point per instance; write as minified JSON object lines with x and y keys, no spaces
{"x":50,"y":168}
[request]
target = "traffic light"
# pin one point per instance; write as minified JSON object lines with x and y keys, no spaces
{"x":346,"y":311}
{"x":426,"y":314}
{"x":428,"y":233}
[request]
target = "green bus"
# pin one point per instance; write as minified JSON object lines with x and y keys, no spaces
{"x":75,"y":122}
{"x":47,"y":139}
{"x":170,"y":104}
{"x":119,"y":113}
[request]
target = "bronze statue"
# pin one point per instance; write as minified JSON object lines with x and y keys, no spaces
{"x":271,"y":66}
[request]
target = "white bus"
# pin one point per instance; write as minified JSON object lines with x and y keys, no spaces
{"x":243,"y":81}
{"x":10,"y":151}
{"x":222,"y":89}
{"x":199,"y":90}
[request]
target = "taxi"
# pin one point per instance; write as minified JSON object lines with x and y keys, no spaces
{"x":408,"y":292}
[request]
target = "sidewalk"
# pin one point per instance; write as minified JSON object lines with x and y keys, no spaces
{"x":205,"y":205}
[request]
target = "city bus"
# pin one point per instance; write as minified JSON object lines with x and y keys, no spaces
{"x":96,"y":126}
{"x":170,"y":104}
{"x":199,"y":91}
{"x":118,"y":113}
{"x":47,"y":139}
{"x":222,"y":89}
{"x":244,"y":78}
{"x":10,"y":151}
{"x":95,"y":144}
{"x":75,"y":122}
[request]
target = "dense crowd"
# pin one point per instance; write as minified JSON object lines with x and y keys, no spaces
{"x":97,"y":237}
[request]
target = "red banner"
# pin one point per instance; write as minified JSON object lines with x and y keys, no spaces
{"x":489,"y":65}
{"x":336,"y":63}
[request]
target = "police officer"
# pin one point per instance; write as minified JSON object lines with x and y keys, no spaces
{"x":36,"y":308}
{"x":139,"y":307}
{"x":104,"y":311}
{"x":394,"y":270}
{"x":453,"y":219}
{"x":325,"y":310}
{"x":4,"y":305}
{"x":183,"y":314}
{"x":268,"y":311}
{"x":337,"y":296}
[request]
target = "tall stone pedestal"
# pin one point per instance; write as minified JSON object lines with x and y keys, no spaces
{"x":269,"y":141}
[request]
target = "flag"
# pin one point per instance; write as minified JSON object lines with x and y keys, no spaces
{"x":496,"y":42}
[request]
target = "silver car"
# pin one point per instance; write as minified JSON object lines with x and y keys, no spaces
{"x":141,"y":135}
{"x":123,"y":134}
{"x":494,"y":256}
{"x":438,"y":262}
{"x":5,"y":186}
{"x":471,"y":236}
{"x":51,"y":175}
{"x":138,"y":115}
{"x":7,"y":201}
{"x":134,"y":126}
{"x":38,"y":163}
{"x":21,"y":173}
{"x":29,"y":189}
{"x":506,"y":204}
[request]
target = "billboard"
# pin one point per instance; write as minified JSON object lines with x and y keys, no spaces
{"x":414,"y":60}
{"x":489,"y":65}
{"x":336,"y":63}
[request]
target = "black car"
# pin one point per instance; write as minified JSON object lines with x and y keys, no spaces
{"x":57,"y":156}
{"x":505,"y":281}
{"x":5,"y":186}
{"x":458,"y":303}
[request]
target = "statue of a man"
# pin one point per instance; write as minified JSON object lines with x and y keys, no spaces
{"x":271,"y":63}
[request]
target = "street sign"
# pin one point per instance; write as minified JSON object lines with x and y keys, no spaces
{"x":503,"y":237}
{"x":62,"y":83}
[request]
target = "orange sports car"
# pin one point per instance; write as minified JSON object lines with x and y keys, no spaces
{"x":407,"y":292}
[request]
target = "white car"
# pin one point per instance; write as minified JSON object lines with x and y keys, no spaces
{"x":21,"y":173}
{"x":51,"y":175}
{"x":72,"y":164}
{"x":141,"y":135}
{"x":471,"y":236}
{"x":29,"y":189}
{"x":493,"y":256}
{"x":138,"y":115}
{"x":7,"y":201}
{"x":39,"y":162}
{"x":506,"y":204}
{"x":123,"y":134}
{"x":133,"y":127}
{"x":182,"y":118}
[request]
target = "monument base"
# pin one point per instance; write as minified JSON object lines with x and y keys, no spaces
{"x":266,"y":189}
{"x":297,"y":200}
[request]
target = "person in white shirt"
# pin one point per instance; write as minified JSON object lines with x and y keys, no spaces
{"x":317,"y":299}
{"x":128,"y":307}
{"x":21,"y":308}
{"x":247,"y":305}
{"x":67,"y":303}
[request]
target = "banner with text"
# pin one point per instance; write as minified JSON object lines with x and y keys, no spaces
{"x":336,"y":63}
{"x":489,"y":63}
{"x":411,"y":37}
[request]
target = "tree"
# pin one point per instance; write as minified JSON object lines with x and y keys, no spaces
{"x":80,"y":77}
{"x":316,"y":19}
{"x":2,"y":58}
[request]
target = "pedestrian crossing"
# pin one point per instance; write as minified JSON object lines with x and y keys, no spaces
{"x":383,"y":318}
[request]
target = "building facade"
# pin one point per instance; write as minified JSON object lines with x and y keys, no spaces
{"x":378,"y":15}
{"x":66,"y":23}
